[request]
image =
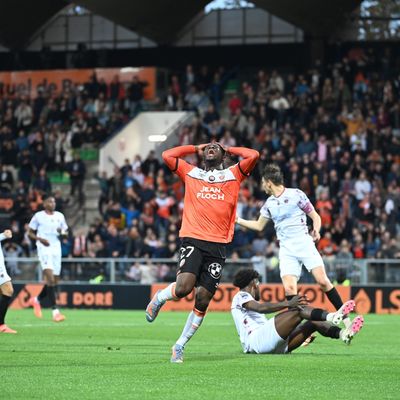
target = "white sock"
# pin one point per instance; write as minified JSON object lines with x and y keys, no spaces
{"x":193,"y":323}
{"x":330,"y":316}
{"x":347,"y":322}
{"x":167,"y":294}
{"x":56,"y":311}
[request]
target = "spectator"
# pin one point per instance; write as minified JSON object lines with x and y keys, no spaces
{"x":115,"y":243}
{"x":134,"y":273}
{"x":23,"y":114}
{"x":77,"y":171}
{"x":306,"y":147}
{"x":42,"y":183}
{"x":151,"y":164}
{"x":13,"y":250}
{"x":362,"y":186}
{"x":326,"y":245}
{"x":234,"y":104}
{"x":79,"y":244}
{"x":6,"y":180}
{"x":135,"y":96}
{"x":324,"y":207}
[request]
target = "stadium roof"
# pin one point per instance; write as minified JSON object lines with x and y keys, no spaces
{"x":21,"y":19}
{"x":315,"y":17}
{"x":161,"y":20}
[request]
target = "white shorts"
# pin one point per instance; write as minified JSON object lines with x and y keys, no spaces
{"x":50,"y":260}
{"x":266,"y":340}
{"x":4,"y":277}
{"x":293,"y":256}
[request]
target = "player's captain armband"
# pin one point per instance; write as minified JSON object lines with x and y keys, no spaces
{"x":304,"y":203}
{"x":307,"y":208}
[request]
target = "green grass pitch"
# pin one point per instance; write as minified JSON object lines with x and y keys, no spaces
{"x":118,"y":355}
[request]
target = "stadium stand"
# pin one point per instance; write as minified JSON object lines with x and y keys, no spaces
{"x":334,"y":131}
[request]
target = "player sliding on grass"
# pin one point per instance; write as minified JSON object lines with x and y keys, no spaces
{"x":6,"y":287}
{"x":211,"y":197}
{"x":288,"y":209}
{"x":283,"y":333}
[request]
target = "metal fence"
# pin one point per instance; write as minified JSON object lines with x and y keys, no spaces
{"x":147,"y":271}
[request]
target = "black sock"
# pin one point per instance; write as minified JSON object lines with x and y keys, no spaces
{"x":43,"y":293}
{"x":57,"y":292}
{"x":4,"y":302}
{"x":52,"y":296}
{"x":334,"y":298}
{"x":318,"y":314}
{"x":333,"y":332}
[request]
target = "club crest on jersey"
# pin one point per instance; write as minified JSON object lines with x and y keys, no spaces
{"x":286,"y":201}
{"x":221,"y":177}
{"x":215,"y":270}
{"x":211,"y":178}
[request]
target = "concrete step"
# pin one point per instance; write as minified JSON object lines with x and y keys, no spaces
{"x":92,"y":183}
{"x":91,"y":204}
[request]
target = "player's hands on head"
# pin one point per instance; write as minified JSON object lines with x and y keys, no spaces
{"x":201,"y":147}
{"x":222,"y":146}
{"x":7,"y":233}
{"x":315,"y":235}
{"x":297,"y":301}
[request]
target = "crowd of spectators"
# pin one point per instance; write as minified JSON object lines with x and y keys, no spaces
{"x":43,"y":133}
{"x":335,"y":131}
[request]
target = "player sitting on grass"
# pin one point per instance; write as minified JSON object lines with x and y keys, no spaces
{"x":288,"y":208}
{"x":284,"y":332}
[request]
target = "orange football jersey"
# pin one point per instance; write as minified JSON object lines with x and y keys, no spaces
{"x":209,"y":209}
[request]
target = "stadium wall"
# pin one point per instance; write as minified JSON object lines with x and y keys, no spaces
{"x":122,"y":146}
{"x":31,"y":82}
{"x":369,"y":299}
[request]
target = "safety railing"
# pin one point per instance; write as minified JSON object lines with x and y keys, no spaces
{"x":150,"y":270}
{"x":111,"y":270}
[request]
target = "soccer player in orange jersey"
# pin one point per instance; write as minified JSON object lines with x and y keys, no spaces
{"x":209,"y":212}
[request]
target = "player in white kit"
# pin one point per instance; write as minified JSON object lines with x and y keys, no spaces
{"x":6,"y":287}
{"x":284,"y":332}
{"x":45,"y":228}
{"x":288,"y":209}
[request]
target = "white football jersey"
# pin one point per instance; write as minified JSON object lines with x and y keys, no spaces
{"x":289,"y":213}
{"x":46,"y":226}
{"x":246,"y":321}
{"x":2,"y":237}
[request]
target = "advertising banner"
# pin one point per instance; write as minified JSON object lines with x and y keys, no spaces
{"x":376,"y":299}
{"x":55,"y":81}
{"x":369,"y":299}
{"x":120,"y":297}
